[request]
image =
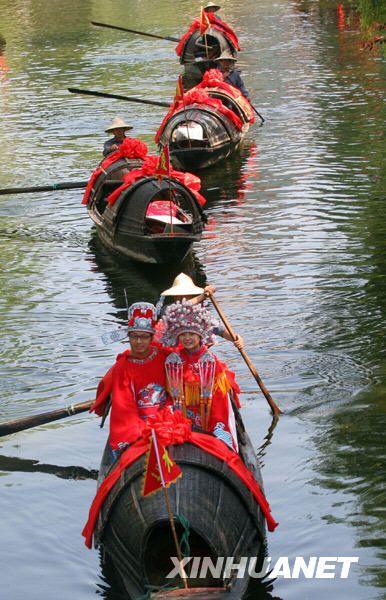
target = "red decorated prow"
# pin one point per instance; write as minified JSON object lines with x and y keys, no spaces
{"x":200,"y":94}
{"x":213,"y":22}
{"x":149,"y":169}
{"x":130,"y":148}
{"x":174,"y":429}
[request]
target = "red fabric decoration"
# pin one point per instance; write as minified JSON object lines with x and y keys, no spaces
{"x":148,"y":169}
{"x":199,"y":95}
{"x":215,"y":79}
{"x":216,"y":24}
{"x":130,"y":148}
{"x":174,"y":429}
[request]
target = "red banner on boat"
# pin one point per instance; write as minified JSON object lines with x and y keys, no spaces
{"x":179,"y":95}
{"x":204,"y":21}
{"x":161,"y":470}
{"x":163,"y":164}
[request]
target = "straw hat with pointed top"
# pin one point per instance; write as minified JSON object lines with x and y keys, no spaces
{"x":183,"y":286}
{"x":226,"y":55}
{"x":212,"y":5}
{"x":118,"y":123}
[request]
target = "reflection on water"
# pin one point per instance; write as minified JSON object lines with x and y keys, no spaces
{"x":139,"y":281}
{"x":295,"y":246}
{"x":12,"y":463}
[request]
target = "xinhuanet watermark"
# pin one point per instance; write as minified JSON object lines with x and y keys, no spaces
{"x":224,"y":567}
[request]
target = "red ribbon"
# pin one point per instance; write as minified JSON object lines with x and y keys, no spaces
{"x":212,"y":78}
{"x":130,"y":148}
{"x":148,"y":169}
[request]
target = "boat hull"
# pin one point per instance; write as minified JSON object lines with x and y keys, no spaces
{"x":124,"y":226}
{"x":150,"y":251}
{"x":202,"y":158}
{"x":200,"y":137}
{"x":224,"y":521}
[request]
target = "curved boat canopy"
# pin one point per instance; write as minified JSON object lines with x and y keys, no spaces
{"x":197,"y":126}
{"x":199,"y":46}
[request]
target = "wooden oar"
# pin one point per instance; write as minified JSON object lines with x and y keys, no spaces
{"x":71,"y":185}
{"x":152,"y":35}
{"x":117,"y":97}
{"x":275,"y":409}
{"x":259,"y":115}
{"x":8,"y":427}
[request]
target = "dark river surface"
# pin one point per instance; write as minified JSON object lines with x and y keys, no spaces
{"x":295,"y":246}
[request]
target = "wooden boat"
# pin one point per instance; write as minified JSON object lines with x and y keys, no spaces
{"x":224,"y":519}
{"x":200,"y":135}
{"x":150,"y":221}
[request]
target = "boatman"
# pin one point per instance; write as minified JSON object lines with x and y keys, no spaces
{"x":183,"y":288}
{"x":212,"y":8}
{"x":136,"y":383}
{"x":226,"y":64}
{"x":118,"y":128}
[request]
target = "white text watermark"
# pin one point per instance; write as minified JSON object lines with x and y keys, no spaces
{"x":313,"y":567}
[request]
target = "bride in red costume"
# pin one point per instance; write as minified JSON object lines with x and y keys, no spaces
{"x":198,"y":382}
{"x":136,"y":382}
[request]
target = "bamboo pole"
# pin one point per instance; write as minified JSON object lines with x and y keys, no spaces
{"x":8,"y":427}
{"x":275,"y":409}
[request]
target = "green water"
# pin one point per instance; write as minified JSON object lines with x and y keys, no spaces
{"x":295,"y":245}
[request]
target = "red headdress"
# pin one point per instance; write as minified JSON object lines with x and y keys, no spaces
{"x":142,"y":316}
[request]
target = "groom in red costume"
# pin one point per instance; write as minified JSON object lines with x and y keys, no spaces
{"x":136,"y":382}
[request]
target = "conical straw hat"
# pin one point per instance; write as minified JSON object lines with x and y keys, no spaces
{"x":183,"y":286}
{"x":212,"y":5}
{"x":226,"y":55}
{"x":118,"y":123}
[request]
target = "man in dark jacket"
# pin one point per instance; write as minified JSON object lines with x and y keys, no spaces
{"x":226,"y":63}
{"x":118,"y":128}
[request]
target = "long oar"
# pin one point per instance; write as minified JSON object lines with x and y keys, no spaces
{"x":117,"y":97}
{"x":152,"y":35}
{"x":8,"y":427}
{"x":259,"y":115}
{"x":275,"y":409}
{"x":70,"y":185}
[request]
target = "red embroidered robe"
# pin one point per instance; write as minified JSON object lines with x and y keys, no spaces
{"x":138,"y":390}
{"x":221,"y":422}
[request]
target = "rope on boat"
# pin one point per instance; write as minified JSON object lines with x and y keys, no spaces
{"x":184,"y":541}
{"x":185,"y":551}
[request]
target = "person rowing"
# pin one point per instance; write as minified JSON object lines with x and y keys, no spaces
{"x":118,"y":128}
{"x":183,"y":288}
{"x":226,"y":64}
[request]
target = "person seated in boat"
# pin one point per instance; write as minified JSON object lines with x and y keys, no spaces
{"x":198,"y":382}
{"x":212,"y":8}
{"x":206,"y":50}
{"x":118,"y":128}
{"x":183,"y":288}
{"x":136,"y":383}
{"x":226,"y":64}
